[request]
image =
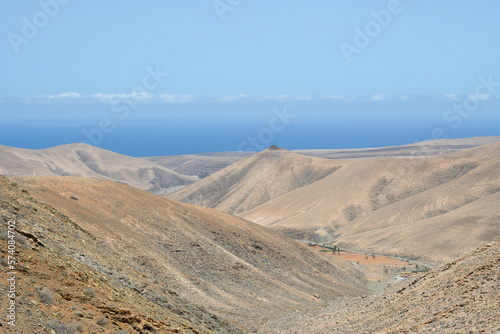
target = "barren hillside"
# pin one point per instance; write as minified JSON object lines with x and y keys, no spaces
{"x":202,"y":164}
{"x":486,"y":151}
{"x":383,"y":204}
{"x":68,"y":281}
{"x":256,"y":180}
{"x":462,"y":296}
{"x":89,"y":161}
{"x":234,"y":268}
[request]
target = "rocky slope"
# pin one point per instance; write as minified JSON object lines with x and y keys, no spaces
{"x":67,"y":281}
{"x":238,"y":270}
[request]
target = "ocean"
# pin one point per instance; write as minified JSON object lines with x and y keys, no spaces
{"x":172,"y":129}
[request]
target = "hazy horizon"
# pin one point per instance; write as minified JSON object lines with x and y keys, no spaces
{"x":247,"y":126}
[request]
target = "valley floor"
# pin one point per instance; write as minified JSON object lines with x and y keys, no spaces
{"x":381,"y":272}
{"x":462,"y":296}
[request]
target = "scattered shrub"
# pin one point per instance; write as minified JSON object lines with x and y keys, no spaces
{"x":89,"y":292}
{"x":18,"y":238}
{"x":61,"y":328}
{"x":45,"y":296}
{"x":23,"y":241}
{"x":353,"y":212}
{"x":79,"y":328}
{"x":102,"y":321}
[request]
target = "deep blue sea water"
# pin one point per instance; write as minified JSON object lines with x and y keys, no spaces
{"x":170,"y":129}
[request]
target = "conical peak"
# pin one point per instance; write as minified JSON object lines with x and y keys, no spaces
{"x":273,"y":151}
{"x":275,"y":148}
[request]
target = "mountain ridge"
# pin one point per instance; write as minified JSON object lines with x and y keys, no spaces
{"x":204,"y":164}
{"x":89,"y":161}
{"x":255,"y":180}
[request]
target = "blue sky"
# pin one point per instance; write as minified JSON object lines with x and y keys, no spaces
{"x":74,"y":59}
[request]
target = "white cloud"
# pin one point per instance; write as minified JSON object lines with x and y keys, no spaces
{"x":108,"y":98}
{"x":376,"y":98}
{"x":134,"y":97}
{"x":137,"y":97}
{"x":231,"y":98}
{"x":340,"y":97}
{"x":143,"y":97}
{"x":278,"y":98}
{"x":333,"y":97}
{"x":286,"y":98}
{"x":55,"y":98}
{"x":451,"y":96}
{"x":178,"y":98}
{"x":403,"y":98}
{"x":69,"y":95}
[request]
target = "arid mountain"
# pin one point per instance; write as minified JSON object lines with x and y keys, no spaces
{"x":100,"y":256}
{"x":69,"y":281}
{"x":457,"y":142}
{"x":428,"y":208}
{"x":430,"y":148}
{"x":167,"y":173}
{"x":200,"y":165}
{"x":486,"y":151}
{"x":204,"y":164}
{"x":256,"y":180}
{"x":462,"y":296}
{"x":238,"y":270}
{"x":89,"y":161}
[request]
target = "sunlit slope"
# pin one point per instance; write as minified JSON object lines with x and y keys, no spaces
{"x":67,"y":278}
{"x":392,"y":194}
{"x":256,"y":180}
{"x":89,"y":161}
{"x":207,"y":257}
